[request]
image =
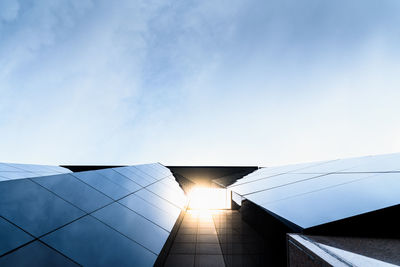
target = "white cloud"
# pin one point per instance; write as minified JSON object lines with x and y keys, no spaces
{"x":197,"y":82}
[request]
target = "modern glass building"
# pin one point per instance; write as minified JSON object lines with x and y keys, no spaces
{"x":332,"y":213}
{"x":111,"y":217}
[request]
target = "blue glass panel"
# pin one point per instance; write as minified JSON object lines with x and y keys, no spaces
{"x":35,"y":254}
{"x":17,"y":175}
{"x":338,"y":202}
{"x":380,"y":163}
{"x":268,"y":172}
{"x":11,"y":237}
{"x":334,"y":166}
{"x":92,"y":243}
{"x":150,"y":171}
{"x":160,"y":169}
{"x":75,"y":191}
{"x":32,"y":167}
{"x":153,"y":170}
{"x":147,"y":210}
{"x":158,"y":202}
{"x":166,"y":193}
{"x":135,"y":175}
{"x":271,"y":182}
{"x":303,"y":187}
{"x":102,"y":184}
{"x":142,"y":173}
{"x":34,"y":208}
{"x":58,"y":169}
{"x":133,"y":226}
{"x":7,"y":168}
{"x":119,"y":179}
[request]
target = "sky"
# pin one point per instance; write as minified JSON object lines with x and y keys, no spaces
{"x":255,"y":82}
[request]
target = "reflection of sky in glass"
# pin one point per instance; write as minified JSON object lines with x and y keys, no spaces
{"x":338,"y":202}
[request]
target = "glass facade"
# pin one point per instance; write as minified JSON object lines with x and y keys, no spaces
{"x":312,"y":194}
{"x":110,"y":217}
{"x":10,"y":171}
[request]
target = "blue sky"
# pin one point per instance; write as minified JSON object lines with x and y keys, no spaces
{"x":198,"y":82}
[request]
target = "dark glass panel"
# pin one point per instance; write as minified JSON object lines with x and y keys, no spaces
{"x":75,"y":191}
{"x":170,"y":195}
{"x":11,"y":236}
{"x":133,"y":226}
{"x":147,"y":210}
{"x":92,"y":243}
{"x":102,"y":184}
{"x":35,"y":254}
{"x":34,"y":208}
{"x":158,"y":202}
{"x":119,"y":179}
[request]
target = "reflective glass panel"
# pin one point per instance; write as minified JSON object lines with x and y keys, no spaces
{"x":133,"y":226}
{"x":75,"y":191}
{"x":7,"y":168}
{"x":34,"y":208}
{"x":150,"y":171}
{"x":31,"y":167}
{"x":58,"y":169}
{"x":102,"y":184}
{"x":158,"y":202}
{"x":268,"y":172}
{"x":142,"y":173}
{"x":137,"y":177}
{"x":338,"y":202}
{"x":168,"y":194}
{"x":164,"y":170}
{"x":335,"y":166}
{"x":11,"y":237}
{"x":119,"y":179}
{"x":380,"y":163}
{"x":272,"y":182}
{"x":35,"y":254}
{"x":147,"y":210}
{"x":92,"y":243}
{"x":303,"y":187}
{"x":17,"y":175}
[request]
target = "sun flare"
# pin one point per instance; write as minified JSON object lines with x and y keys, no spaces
{"x":209,"y":198}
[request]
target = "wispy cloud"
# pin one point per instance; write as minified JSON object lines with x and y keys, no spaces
{"x":197,"y":82}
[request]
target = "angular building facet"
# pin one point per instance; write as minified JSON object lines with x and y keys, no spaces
{"x":330,"y":213}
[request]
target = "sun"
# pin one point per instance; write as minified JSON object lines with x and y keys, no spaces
{"x":209,"y":198}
